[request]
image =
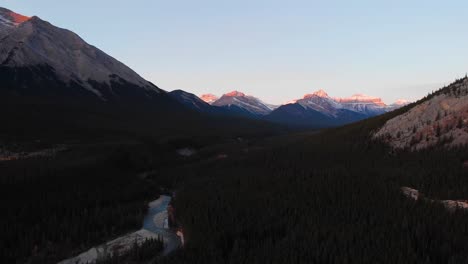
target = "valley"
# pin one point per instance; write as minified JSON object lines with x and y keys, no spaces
{"x":101,"y":166}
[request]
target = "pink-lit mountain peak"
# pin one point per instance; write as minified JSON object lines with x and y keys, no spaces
{"x":10,"y":17}
{"x":361,"y":98}
{"x":319,"y":93}
{"x":209,"y":98}
{"x":402,"y":102}
{"x":235,"y":94}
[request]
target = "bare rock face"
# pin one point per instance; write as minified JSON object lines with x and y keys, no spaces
{"x":443,"y":119}
{"x":450,"y":205}
{"x":9,"y":21}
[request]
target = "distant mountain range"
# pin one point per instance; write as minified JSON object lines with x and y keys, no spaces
{"x":313,"y":110}
{"x":54,"y":84}
{"x":44,"y":63}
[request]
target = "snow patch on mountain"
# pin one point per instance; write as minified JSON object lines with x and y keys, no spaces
{"x":246,"y":102}
{"x":360,"y":103}
{"x":321,"y":102}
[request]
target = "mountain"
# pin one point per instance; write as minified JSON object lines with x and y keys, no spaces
{"x":209,"y":98}
{"x":367,"y":105}
{"x":297,"y":115}
{"x":440,"y":119}
{"x":321,"y":102}
{"x":191,"y":101}
{"x":238,"y":101}
{"x":9,"y":20}
{"x":40,"y":59}
{"x":55,"y":86}
{"x":398,"y":104}
{"x":197,"y":104}
{"x":318,"y":110}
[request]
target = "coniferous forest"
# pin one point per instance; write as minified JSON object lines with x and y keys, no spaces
{"x":310,"y":197}
{"x":328,"y":198}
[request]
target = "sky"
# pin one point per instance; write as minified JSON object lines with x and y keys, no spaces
{"x":275,"y":50}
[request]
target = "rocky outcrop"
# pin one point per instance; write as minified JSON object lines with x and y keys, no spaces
{"x":442,"y":119}
{"x":450,"y":205}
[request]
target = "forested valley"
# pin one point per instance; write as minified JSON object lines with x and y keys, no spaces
{"x":331,"y":196}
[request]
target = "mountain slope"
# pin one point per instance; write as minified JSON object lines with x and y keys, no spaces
{"x":442,"y":119}
{"x":367,"y":105}
{"x":9,"y":20}
{"x":320,"y":110}
{"x":321,"y":102}
{"x":242,"y":102}
{"x":55,"y":85}
{"x":191,"y":101}
{"x":31,"y":46}
{"x":297,"y":115}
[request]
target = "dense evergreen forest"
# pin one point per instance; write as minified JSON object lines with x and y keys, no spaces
{"x":55,"y":208}
{"x":90,"y":192}
{"x":332,"y":197}
{"x":313,"y":197}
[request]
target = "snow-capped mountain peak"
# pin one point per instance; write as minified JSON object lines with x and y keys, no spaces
{"x":362,"y":99}
{"x":235,"y":94}
{"x":319,"y":93}
{"x":319,"y":101}
{"x":291,"y":102}
{"x":243,"y":101}
{"x":209,"y":98}
{"x":401,"y":102}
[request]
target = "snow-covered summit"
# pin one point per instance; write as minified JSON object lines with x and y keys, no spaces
{"x":361,"y":99}
{"x":209,"y":98}
{"x":249,"y":103}
{"x":235,"y":94}
{"x":319,"y":93}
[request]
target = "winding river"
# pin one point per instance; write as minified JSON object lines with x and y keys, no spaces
{"x":155,"y":224}
{"x":156,"y":221}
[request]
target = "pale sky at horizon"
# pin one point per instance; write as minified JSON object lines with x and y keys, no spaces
{"x":275,"y":50}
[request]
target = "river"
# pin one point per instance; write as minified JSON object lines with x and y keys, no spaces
{"x":155,"y":224}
